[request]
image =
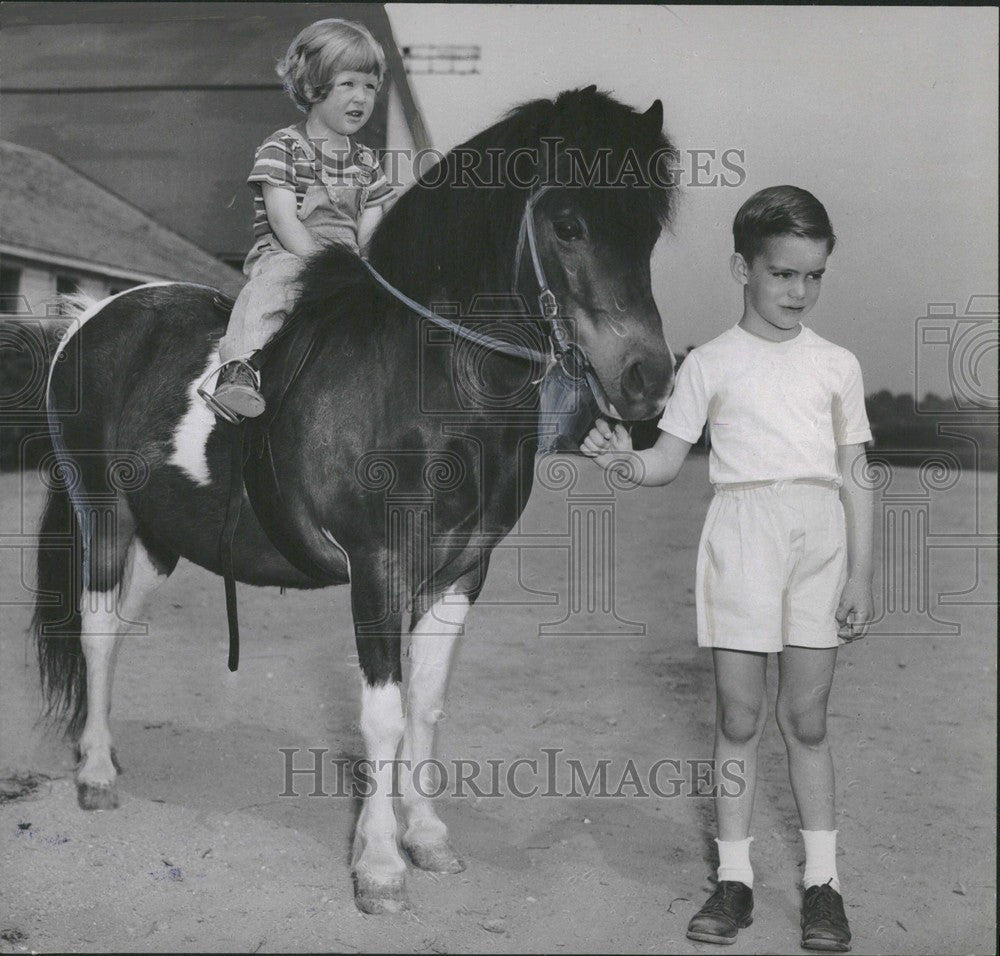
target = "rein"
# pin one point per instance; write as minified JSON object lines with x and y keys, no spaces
{"x":567,"y":354}
{"x":480,"y":338}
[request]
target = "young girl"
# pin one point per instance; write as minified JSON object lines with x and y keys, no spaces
{"x":313,"y":184}
{"x":785,"y":560}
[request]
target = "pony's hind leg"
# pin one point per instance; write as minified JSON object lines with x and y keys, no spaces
{"x":104,"y":614}
{"x":432,"y":642}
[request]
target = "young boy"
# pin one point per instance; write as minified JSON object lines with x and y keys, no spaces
{"x":785,"y":561}
{"x":313,"y":184}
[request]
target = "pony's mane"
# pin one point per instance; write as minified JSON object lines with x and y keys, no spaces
{"x":429,"y":238}
{"x":444,"y":236}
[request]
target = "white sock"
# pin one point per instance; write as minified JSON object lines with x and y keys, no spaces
{"x":821,"y":858}
{"x":734,"y":861}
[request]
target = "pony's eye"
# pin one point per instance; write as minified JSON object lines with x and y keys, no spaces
{"x":568,"y":229}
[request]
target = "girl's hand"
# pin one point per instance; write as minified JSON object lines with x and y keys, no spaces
{"x":280,"y":205}
{"x":602,"y":440}
{"x":855,"y":611}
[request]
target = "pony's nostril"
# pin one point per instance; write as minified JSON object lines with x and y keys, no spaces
{"x":634,"y":381}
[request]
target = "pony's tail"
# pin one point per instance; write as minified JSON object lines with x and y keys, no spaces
{"x":56,"y":617}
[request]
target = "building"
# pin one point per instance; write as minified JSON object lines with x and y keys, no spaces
{"x":61,"y":232}
{"x":164,"y":103}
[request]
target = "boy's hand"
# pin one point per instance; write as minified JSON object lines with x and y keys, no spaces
{"x":602,"y":440}
{"x":855,"y":611}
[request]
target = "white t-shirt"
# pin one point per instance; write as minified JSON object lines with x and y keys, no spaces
{"x":776,"y":410}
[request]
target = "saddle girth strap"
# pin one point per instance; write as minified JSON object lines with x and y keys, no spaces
{"x":226,"y":541}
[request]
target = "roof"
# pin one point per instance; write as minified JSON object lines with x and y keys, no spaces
{"x":56,"y":213}
{"x":166,"y":102}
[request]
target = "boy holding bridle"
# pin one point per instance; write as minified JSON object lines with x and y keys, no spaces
{"x":785,"y":559}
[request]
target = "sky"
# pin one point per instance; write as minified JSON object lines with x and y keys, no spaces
{"x":888,"y":115}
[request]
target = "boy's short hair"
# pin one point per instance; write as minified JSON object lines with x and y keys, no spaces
{"x":780,"y":211}
{"x":321,"y":51}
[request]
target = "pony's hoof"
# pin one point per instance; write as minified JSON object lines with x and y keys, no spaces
{"x":91,"y":797}
{"x":380,"y":899}
{"x":435,"y":857}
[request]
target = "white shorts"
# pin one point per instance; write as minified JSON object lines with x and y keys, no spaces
{"x":772,"y":565}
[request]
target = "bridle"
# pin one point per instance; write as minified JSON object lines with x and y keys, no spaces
{"x":563,"y":352}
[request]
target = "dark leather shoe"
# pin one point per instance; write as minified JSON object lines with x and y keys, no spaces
{"x":236,"y":391}
{"x":728,"y":910}
{"x":824,"y":923}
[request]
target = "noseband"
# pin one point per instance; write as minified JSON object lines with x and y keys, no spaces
{"x":567,"y":354}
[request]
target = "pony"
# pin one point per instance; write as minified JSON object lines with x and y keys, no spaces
{"x":393,"y":456}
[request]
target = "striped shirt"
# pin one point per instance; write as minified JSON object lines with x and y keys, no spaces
{"x":288,"y":159}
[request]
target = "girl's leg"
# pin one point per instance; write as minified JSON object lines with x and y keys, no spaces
{"x":804,"y":681}
{"x":741,"y":709}
{"x":261,"y":306}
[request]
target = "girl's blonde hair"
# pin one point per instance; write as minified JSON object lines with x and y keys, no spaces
{"x":321,"y":51}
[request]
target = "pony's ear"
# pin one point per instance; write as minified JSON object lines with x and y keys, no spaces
{"x":590,"y":90}
{"x":652,"y":119}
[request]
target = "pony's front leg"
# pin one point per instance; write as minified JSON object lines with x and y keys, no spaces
{"x":432,"y":642}
{"x":379,"y":869}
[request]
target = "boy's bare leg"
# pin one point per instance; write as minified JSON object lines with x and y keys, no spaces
{"x":805,"y":676}
{"x":741,"y":709}
{"x":804,"y":681}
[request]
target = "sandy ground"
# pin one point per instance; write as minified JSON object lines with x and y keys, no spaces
{"x":205,"y":855}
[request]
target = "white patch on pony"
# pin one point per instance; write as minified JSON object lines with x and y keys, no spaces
{"x":191,"y":434}
{"x":381,"y":718}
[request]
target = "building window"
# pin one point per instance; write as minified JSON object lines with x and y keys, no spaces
{"x":65,"y":285}
{"x":441,"y":58}
{"x":11,"y":300}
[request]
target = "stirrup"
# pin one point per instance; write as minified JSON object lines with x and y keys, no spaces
{"x":208,"y":397}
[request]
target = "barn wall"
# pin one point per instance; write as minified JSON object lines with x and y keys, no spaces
{"x":38,"y":283}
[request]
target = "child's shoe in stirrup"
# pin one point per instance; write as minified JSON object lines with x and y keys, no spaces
{"x":236,"y":392}
{"x":824,"y":922}
{"x":728,"y":910}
